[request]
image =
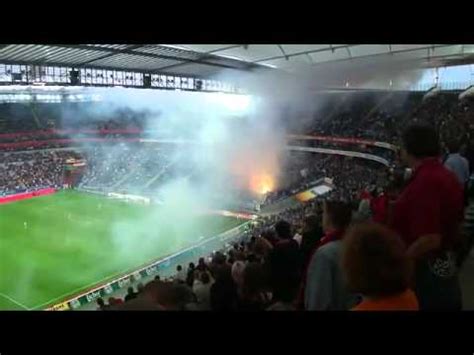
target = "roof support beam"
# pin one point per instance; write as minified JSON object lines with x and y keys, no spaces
{"x":112,"y":54}
{"x":205,"y":55}
{"x":52,"y":54}
{"x":246,"y":65}
{"x":225,"y":48}
{"x":332,"y":48}
{"x":144,"y":54}
{"x":349,"y":52}
{"x":74,"y":66}
{"x":394,"y":53}
{"x":283,"y":51}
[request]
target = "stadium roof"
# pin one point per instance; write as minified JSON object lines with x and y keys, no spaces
{"x":207,"y":60}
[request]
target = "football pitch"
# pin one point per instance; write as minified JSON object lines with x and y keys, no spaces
{"x":54,"y":247}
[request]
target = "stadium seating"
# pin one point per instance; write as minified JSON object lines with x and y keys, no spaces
{"x":238,"y":277}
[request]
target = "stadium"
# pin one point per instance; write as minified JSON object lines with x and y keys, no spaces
{"x":236,"y":177}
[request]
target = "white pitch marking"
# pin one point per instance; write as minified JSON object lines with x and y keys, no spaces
{"x":14,"y":301}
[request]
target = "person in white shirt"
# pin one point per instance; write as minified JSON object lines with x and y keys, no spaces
{"x":181,"y":274}
{"x":457,"y":163}
{"x":202,"y":291}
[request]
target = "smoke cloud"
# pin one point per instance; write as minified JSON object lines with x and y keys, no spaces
{"x":236,"y":141}
{"x":235,"y":152}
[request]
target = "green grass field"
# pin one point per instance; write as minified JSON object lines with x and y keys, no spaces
{"x":73,"y":241}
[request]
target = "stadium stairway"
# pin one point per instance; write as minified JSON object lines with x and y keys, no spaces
{"x":122,"y":180}
{"x":157,"y":176}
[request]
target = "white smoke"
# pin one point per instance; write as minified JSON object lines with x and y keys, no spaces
{"x":237,"y":145}
{"x":237,"y":142}
{"x":236,"y":135}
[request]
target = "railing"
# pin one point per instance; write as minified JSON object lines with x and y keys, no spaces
{"x":343,"y":140}
{"x":454,"y":85}
{"x":346,"y":153}
{"x":65,"y":141}
{"x":203,"y":248}
{"x":60,"y":132}
{"x":443,"y":85}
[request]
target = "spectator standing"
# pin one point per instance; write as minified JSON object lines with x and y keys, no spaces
{"x":140,"y":288}
{"x":270,"y":236}
{"x":470,"y":154}
{"x":284,"y":264}
{"x":427,"y":216}
{"x":375,"y":265}
{"x":262,"y":248}
{"x":252,"y":293}
{"x":202,"y":290}
{"x":457,"y":164}
{"x":223,"y":292}
{"x":190,"y":275}
{"x":131,"y":294}
{"x":202,"y":266}
{"x":147,"y":299}
{"x":181,"y":274}
{"x":364,"y":212}
{"x":312,"y":234}
{"x":115,"y":301}
{"x":237,"y":272}
{"x":101,"y":304}
{"x":324,"y":287}
{"x":379,"y":207}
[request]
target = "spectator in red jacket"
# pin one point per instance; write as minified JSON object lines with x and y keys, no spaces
{"x":115,"y":301}
{"x":427,"y":215}
{"x":379,"y":206}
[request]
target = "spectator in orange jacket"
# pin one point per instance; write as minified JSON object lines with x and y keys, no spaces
{"x":376,"y":266}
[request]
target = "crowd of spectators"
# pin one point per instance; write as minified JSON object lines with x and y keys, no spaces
{"x":325,"y":255}
{"x":25,"y":126}
{"x":28,"y":116}
{"x":30,"y":171}
{"x":368,"y":115}
{"x":129,"y":168}
{"x":383,"y":116}
{"x":349,"y":175}
{"x":379,"y":240}
{"x":106,"y":166}
{"x":126,"y":167}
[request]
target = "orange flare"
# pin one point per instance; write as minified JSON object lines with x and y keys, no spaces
{"x":262,"y":183}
